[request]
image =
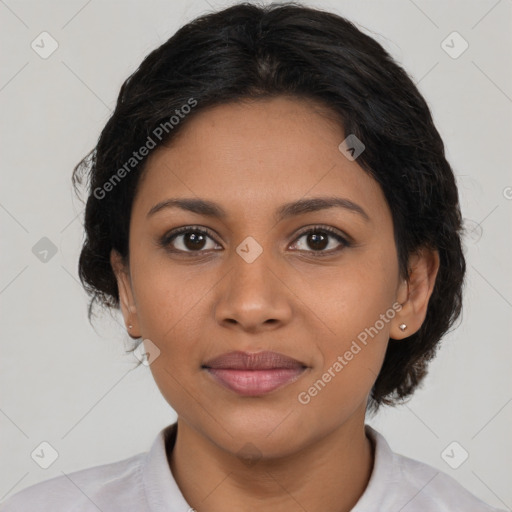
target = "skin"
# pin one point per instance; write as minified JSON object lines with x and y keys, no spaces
{"x":250,"y":158}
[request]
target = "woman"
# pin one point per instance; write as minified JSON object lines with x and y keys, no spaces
{"x":271,"y":209}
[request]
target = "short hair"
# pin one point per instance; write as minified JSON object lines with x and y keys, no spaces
{"x":250,"y":52}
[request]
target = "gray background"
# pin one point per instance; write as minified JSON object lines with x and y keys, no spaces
{"x":70,"y":385}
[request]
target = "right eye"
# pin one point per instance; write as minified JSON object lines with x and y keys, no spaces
{"x":188,"y":239}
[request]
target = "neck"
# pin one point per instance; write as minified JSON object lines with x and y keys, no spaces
{"x":330,"y":474}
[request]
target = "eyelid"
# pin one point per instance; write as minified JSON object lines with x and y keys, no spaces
{"x":324,"y":228}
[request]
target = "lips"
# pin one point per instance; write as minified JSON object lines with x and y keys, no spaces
{"x":254,"y":374}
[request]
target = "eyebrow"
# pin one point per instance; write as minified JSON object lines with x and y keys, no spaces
{"x":211,"y":209}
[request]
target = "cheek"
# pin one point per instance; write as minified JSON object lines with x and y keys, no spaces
{"x":352,"y":296}
{"x":167,"y":294}
{"x":356,"y":307}
{"x":169,"y":302}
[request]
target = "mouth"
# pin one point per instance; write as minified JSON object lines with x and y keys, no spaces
{"x":254,"y":374}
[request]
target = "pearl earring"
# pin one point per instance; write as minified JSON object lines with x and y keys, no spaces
{"x":402,"y":327}
{"x":130,"y":326}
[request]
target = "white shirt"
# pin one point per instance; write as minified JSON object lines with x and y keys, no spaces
{"x":145,"y":483}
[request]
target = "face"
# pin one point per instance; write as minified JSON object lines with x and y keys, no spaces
{"x":316,"y":283}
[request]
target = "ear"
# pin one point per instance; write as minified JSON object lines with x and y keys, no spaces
{"x":414,"y":292}
{"x":126,"y":299}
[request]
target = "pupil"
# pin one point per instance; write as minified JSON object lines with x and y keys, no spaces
{"x":194,"y":241}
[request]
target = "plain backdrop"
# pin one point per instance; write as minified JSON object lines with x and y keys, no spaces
{"x":71,"y":385}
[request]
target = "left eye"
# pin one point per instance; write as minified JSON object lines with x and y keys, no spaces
{"x":321,"y":240}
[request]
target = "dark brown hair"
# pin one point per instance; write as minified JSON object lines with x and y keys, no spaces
{"x":248,"y":51}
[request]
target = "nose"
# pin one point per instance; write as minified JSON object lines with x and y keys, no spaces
{"x":253,"y":296}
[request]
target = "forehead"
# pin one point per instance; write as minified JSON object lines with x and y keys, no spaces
{"x":258,"y":154}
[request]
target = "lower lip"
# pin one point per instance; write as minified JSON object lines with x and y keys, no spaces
{"x":255,"y":382}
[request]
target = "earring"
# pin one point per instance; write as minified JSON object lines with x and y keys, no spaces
{"x":130,"y":326}
{"x":402,"y":327}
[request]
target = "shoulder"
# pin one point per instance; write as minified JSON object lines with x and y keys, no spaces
{"x":432,"y":489}
{"x":115,"y":487}
{"x":413,"y":486}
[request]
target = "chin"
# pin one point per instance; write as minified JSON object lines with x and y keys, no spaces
{"x":269,"y":432}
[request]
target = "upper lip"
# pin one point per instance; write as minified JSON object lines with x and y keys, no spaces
{"x":253,"y":361}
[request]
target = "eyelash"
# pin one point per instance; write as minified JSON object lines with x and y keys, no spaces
{"x":166,"y":240}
